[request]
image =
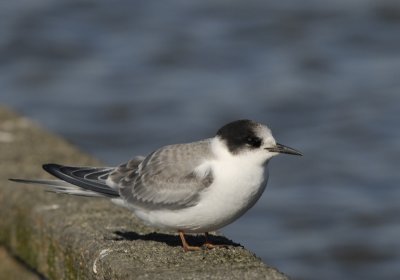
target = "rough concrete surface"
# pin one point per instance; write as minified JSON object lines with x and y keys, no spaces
{"x":66,"y":237}
{"x":11,"y":269}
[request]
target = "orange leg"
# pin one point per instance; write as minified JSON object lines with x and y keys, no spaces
{"x":186,"y":246}
{"x":209,"y":245}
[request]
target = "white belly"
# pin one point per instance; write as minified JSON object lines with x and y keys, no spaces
{"x":234,"y":191}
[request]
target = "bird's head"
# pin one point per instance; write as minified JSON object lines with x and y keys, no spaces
{"x":252,"y":138}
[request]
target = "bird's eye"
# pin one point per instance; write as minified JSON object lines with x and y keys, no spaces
{"x":253,"y":141}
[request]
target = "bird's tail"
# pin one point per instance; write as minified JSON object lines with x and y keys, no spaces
{"x":81,"y":181}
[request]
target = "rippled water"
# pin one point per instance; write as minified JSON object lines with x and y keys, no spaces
{"x":120,"y":78}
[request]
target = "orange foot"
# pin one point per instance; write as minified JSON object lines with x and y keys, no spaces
{"x":213,"y":246}
{"x":210,"y":246}
{"x":186,"y":246}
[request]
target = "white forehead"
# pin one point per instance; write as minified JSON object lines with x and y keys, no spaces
{"x":264,"y":133}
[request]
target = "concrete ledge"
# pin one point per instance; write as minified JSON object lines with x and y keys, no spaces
{"x":10,"y":268}
{"x":65,"y":237}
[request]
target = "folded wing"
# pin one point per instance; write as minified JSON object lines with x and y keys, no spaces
{"x":167,"y":178}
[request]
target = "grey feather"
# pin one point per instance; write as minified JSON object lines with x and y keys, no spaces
{"x":166,"y":178}
{"x":125,"y":169}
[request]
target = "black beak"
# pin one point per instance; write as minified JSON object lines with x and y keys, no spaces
{"x":279,"y":148}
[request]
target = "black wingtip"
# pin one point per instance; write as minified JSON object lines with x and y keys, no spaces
{"x":68,"y":174}
{"x":50,"y":166}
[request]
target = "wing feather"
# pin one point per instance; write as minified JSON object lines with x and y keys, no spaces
{"x":88,"y":178}
{"x":167,"y":178}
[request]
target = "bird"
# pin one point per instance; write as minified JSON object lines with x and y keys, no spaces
{"x":195,"y":187}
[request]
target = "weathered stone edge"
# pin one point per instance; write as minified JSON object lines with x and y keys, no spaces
{"x":65,"y":237}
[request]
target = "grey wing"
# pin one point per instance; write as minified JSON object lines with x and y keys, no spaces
{"x":167,"y":178}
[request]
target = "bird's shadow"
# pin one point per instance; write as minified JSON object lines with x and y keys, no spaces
{"x":173,"y":240}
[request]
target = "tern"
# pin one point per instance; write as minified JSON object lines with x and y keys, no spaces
{"x":194,"y":187}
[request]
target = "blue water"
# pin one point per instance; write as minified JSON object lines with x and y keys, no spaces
{"x":121,"y":78}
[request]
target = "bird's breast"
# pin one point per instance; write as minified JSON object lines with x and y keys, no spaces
{"x":235,"y":190}
{"x":238,"y":184}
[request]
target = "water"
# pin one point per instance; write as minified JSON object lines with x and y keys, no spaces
{"x":120,"y":78}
